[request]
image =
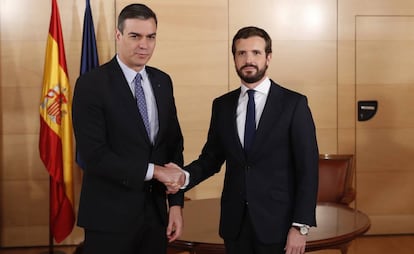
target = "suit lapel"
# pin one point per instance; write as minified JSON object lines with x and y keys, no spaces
{"x":126,"y":98}
{"x":158,"y":94}
{"x":231,"y":113}
{"x":269,"y":116}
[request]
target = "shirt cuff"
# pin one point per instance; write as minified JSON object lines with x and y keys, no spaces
{"x":187,"y":179}
{"x":299,"y":225}
{"x":150,"y":172}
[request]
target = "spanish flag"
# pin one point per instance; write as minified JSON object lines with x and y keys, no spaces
{"x":55,"y":141}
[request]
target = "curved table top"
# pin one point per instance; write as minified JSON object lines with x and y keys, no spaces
{"x":337,"y":225}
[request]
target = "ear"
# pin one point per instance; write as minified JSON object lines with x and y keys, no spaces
{"x":118,"y":34}
{"x":268,"y":58}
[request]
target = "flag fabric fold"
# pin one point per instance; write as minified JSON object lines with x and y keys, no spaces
{"x":89,"y":57}
{"x":55,"y":137}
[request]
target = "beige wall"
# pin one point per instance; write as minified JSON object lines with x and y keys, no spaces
{"x":375,"y":61}
{"x":24,"y":181}
{"x":314,"y":53}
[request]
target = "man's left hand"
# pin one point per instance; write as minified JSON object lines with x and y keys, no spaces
{"x":296,"y":242}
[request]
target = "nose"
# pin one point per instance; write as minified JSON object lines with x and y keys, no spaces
{"x":249,"y":57}
{"x":143,"y":43}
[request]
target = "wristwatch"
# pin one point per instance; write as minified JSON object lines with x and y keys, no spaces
{"x":303,"y":230}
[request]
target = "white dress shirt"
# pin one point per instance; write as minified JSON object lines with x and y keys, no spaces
{"x":260,"y":96}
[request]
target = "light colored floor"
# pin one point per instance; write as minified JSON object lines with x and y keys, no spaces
{"x":378,"y":245}
{"x":364,"y":245}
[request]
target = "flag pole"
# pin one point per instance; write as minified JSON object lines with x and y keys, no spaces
{"x":50,"y":221}
{"x":51,"y":241}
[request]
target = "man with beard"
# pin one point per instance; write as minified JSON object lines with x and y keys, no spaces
{"x":266,"y":135}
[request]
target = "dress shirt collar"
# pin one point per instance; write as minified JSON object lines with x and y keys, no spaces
{"x":262,"y":88}
{"x":130,"y":73}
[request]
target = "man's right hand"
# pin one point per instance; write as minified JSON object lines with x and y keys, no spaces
{"x":172,"y":177}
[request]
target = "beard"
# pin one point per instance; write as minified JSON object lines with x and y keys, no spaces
{"x":252,"y":78}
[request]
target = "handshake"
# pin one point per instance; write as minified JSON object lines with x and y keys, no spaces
{"x":171,"y":175}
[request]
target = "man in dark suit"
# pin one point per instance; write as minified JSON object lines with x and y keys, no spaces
{"x":266,"y":135}
{"x":126,"y":125}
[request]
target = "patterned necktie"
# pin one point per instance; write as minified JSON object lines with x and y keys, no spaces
{"x":250,"y":127}
{"x":142,"y":105}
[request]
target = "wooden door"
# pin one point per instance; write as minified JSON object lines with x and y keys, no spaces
{"x":385,"y":143}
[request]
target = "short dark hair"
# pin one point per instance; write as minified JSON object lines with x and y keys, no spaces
{"x":135,"y":11}
{"x":250,"y":31}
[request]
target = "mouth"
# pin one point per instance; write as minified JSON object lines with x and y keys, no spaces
{"x":141,"y":55}
{"x":249,"y":68}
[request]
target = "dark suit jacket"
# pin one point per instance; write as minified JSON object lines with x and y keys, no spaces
{"x":113,"y":144}
{"x":278,"y":179}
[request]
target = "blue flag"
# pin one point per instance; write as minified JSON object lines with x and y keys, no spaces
{"x":89,"y":57}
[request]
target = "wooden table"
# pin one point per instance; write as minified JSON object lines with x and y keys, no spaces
{"x":338,"y":225}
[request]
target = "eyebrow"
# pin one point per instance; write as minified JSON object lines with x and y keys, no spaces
{"x":138,"y":34}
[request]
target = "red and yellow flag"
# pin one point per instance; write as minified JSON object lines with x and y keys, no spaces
{"x":55,"y":142}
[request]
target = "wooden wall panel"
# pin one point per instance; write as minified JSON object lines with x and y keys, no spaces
{"x":368,"y":143}
{"x":384,"y":144}
{"x":304,"y":53}
{"x":384,"y":196}
{"x":24,"y":182}
{"x":20,"y":105}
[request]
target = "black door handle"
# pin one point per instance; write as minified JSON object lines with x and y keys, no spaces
{"x":367,"y":110}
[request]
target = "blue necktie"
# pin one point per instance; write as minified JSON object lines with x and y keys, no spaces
{"x":250,"y":127}
{"x":142,"y":105}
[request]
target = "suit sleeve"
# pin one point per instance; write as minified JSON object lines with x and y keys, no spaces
{"x":306,"y":156}
{"x":212,"y":155}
